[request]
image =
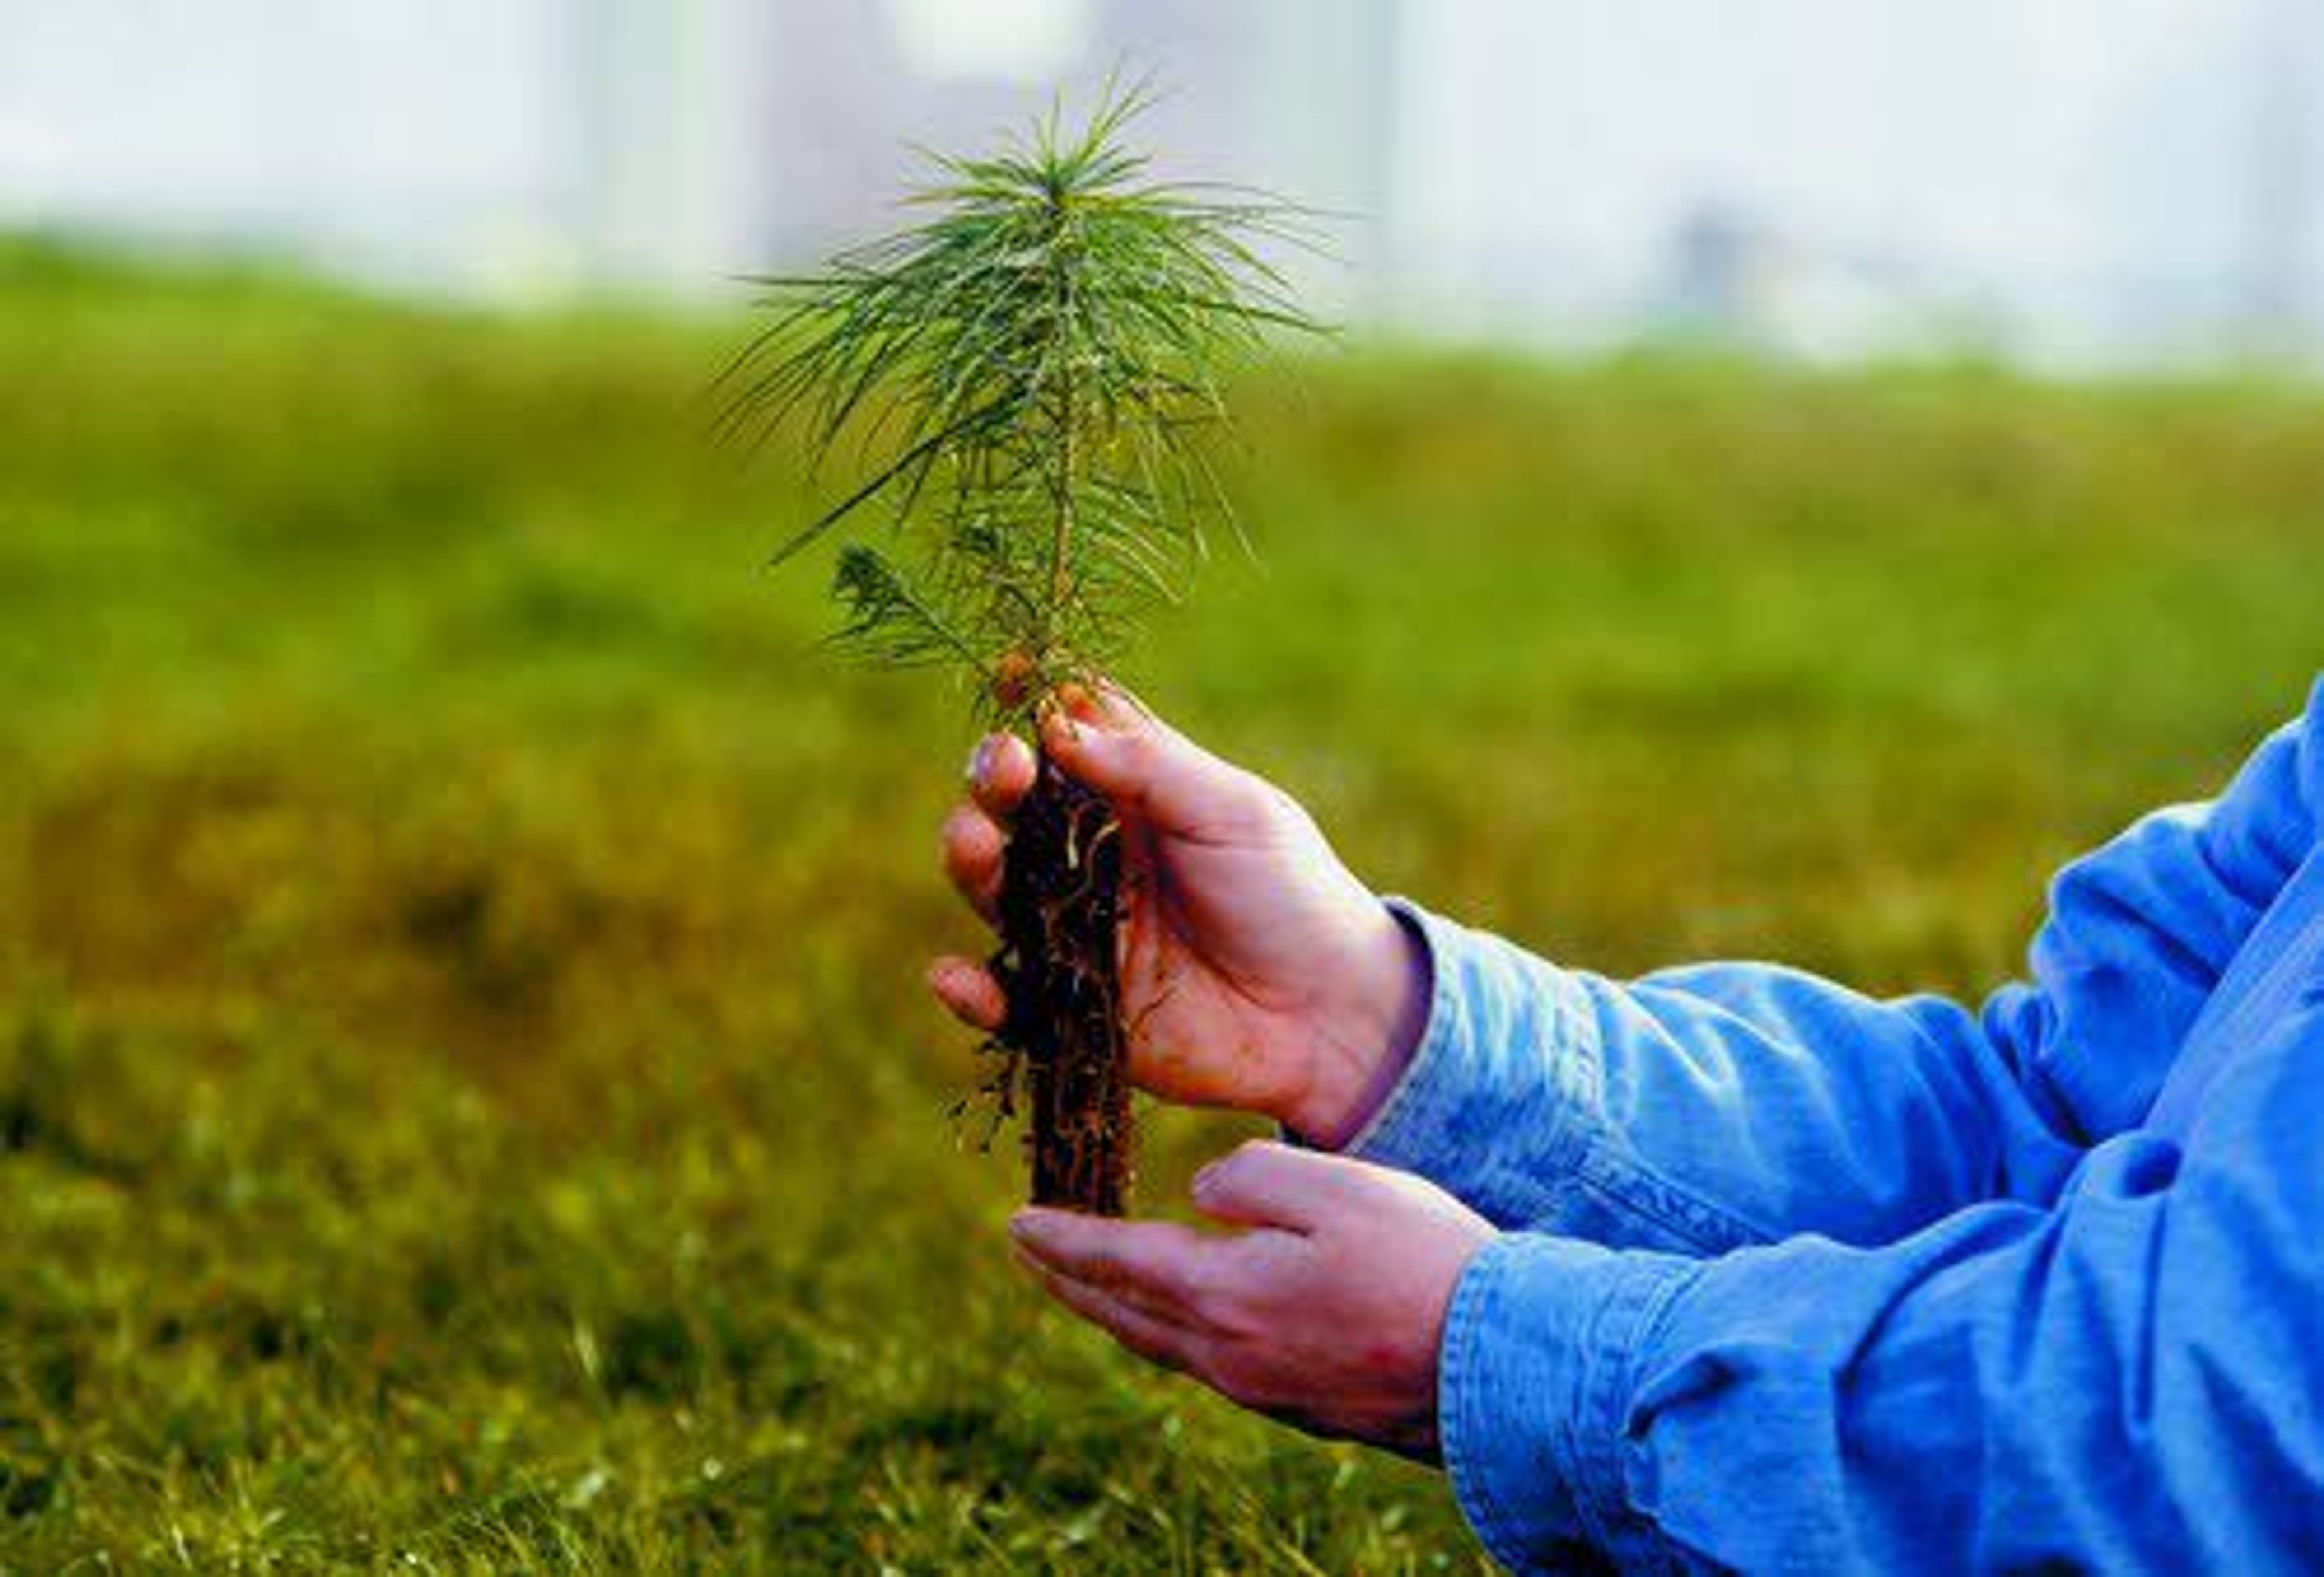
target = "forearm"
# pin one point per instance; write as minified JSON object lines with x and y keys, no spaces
{"x":1702,"y":1108}
{"x":1695,"y":1112}
{"x":2128,"y":1379}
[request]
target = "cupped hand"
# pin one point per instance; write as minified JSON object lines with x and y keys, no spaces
{"x":1257,"y":972}
{"x":1326,"y":1310}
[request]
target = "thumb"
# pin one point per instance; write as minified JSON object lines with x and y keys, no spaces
{"x":1263,"y":1183}
{"x":1148,"y":768}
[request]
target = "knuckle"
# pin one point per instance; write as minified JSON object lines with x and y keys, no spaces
{"x":1250,"y":1294}
{"x":959,"y":832}
{"x":1227,"y":1288}
{"x":1258,"y":796}
{"x":1250,"y":795}
{"x":1103,"y":1270}
{"x":1237,"y":1317}
{"x":1203,"y":1282}
{"x":1246,"y":804}
{"x":1238,"y":1164}
{"x":971,"y":865}
{"x":1142,"y":1274}
{"x":1143,"y":753}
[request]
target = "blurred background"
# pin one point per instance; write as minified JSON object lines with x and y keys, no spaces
{"x":1795,"y":474}
{"x":2082,"y":182}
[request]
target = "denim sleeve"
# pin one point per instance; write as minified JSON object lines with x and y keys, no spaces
{"x":1705,"y":1108}
{"x":2132,"y":1379}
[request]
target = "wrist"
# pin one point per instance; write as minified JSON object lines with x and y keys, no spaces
{"x":1363,"y":1055}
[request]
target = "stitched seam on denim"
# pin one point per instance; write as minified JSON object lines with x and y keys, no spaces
{"x":1549,"y":1170}
{"x":1633,"y":1309}
{"x":1545,"y":1166}
{"x":1580,"y":1456}
{"x":1651,"y":1323}
{"x":1580,"y":1075}
{"x":1473,"y":1299}
{"x":1611,"y":1170}
{"x":1572,"y":1454}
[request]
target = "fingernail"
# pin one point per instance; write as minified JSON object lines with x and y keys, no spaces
{"x":1020,"y":1227}
{"x":979,"y":760}
{"x":1203,"y":1179}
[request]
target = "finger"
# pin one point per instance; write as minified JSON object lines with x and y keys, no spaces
{"x":973,"y":848}
{"x":1149,"y":1335}
{"x":1264,"y":1184}
{"x":969,"y":992}
{"x":1149,"y":768}
{"x":1125,"y":1293}
{"x":1108,"y":701}
{"x":1152,"y":1263}
{"x":1001,"y":773}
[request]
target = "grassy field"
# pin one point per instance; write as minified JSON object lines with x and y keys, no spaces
{"x":467,"y":1101}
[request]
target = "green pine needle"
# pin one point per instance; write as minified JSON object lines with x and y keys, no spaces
{"x":1025,"y":381}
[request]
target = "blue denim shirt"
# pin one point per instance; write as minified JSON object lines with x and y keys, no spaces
{"x":1795,"y":1279}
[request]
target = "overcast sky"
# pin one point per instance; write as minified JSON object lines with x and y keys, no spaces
{"x":2079,"y":169}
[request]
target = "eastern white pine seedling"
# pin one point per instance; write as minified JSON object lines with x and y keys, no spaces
{"x":1024,"y":384}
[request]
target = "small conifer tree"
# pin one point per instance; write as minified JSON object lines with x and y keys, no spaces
{"x":1026,"y":381}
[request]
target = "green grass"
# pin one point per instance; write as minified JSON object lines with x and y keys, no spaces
{"x":466,"y":1097}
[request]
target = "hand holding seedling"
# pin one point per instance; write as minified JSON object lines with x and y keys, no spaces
{"x":1257,"y":972}
{"x":1325,"y":1310}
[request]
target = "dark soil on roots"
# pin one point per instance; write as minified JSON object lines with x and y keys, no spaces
{"x":1060,"y":910}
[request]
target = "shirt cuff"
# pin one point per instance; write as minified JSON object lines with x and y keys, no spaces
{"x":1493,"y":1104}
{"x":1534,"y":1385}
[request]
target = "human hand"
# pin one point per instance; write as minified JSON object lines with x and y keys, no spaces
{"x":1257,"y":972}
{"x":1326,"y":1312}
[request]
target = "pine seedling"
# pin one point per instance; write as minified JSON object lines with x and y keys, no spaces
{"x":1025,"y":383}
